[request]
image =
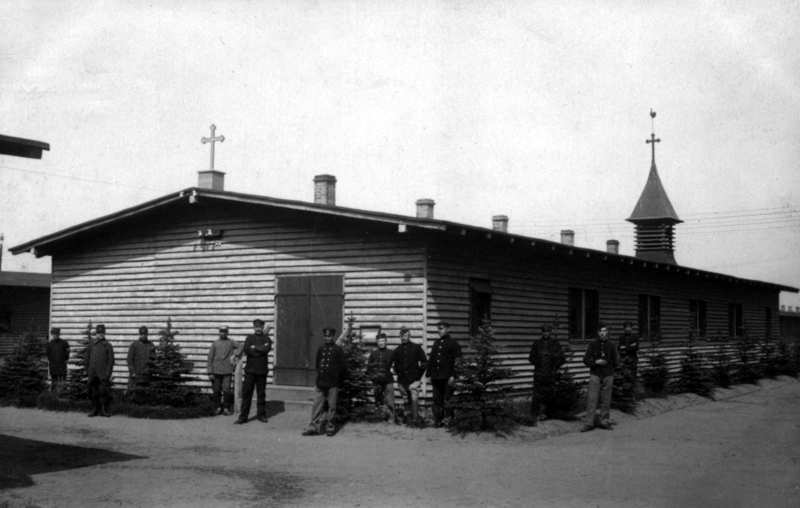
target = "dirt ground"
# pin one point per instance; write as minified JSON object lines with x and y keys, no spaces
{"x":741,"y":450}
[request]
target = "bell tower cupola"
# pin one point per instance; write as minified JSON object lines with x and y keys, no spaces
{"x":653,"y":216}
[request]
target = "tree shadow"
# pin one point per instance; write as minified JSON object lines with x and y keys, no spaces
{"x":20,"y":458}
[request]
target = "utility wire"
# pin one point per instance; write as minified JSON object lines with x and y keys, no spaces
{"x":77,"y":178}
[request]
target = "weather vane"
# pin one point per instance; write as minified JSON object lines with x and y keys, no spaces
{"x":213,"y":139}
{"x":653,"y":139}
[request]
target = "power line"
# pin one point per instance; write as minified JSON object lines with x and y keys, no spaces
{"x":77,"y":178}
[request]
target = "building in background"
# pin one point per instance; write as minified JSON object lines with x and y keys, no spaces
{"x":24,"y":307}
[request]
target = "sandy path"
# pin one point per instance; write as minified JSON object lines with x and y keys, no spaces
{"x":743,"y":451}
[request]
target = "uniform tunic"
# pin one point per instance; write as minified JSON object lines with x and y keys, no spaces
{"x":601,"y":349}
{"x":378,"y":366}
{"x":220,"y":356}
{"x":444,"y":352}
{"x":139,"y":355}
{"x":409,"y":362}
{"x":101,"y":360}
{"x":57,"y":356}
{"x":330,"y":366}
{"x":547,"y":356}
{"x":258,"y":354}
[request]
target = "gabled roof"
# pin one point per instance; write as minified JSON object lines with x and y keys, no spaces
{"x":49,"y":243}
{"x":22,"y":147}
{"x":25,"y":279}
{"x":654,"y":204}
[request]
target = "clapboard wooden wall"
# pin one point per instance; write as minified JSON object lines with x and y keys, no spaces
{"x":157,"y":268}
{"x":530,"y":287}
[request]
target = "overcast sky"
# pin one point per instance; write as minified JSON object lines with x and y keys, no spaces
{"x":532,"y":109}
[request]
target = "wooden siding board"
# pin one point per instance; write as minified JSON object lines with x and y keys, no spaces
{"x":527,"y":292}
{"x":143,"y":279}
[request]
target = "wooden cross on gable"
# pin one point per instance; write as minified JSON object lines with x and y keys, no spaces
{"x":213,"y":139}
{"x":653,"y":139}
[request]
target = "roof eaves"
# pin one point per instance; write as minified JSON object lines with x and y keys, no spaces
{"x":94,"y":223}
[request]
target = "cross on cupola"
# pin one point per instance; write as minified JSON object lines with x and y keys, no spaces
{"x":653,"y":139}
{"x":211,"y":178}
{"x":213,"y":139}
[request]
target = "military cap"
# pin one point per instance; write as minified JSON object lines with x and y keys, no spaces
{"x":443,"y":323}
{"x":601,"y":325}
{"x":55,"y":331}
{"x":224,"y":329}
{"x":403,"y":330}
{"x":547,"y":328}
{"x":258,"y":322}
{"x":627,"y":323}
{"x":142,"y":330}
{"x":382,"y":336}
{"x":328,"y":332}
{"x":100,"y":329}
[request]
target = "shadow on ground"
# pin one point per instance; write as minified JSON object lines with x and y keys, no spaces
{"x":20,"y":458}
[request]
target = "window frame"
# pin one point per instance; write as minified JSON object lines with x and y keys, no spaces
{"x":583,"y":311}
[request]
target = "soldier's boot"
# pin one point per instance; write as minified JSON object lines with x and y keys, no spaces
{"x":330,"y":429}
{"x":104,"y":412}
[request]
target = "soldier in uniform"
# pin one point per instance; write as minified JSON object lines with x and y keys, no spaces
{"x":379,"y":372}
{"x":546,"y":356}
{"x":99,"y":367}
{"x":57,"y":356}
{"x":408,"y":361}
{"x":602,"y":359}
{"x":441,"y":370}
{"x":256,"y":348}
{"x":330,"y":371}
{"x":140,"y":353}
{"x":628,"y":347}
{"x":220,"y":369}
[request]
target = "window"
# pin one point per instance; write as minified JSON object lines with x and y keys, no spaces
{"x":697,"y":318}
{"x":767,"y":322}
{"x":649,"y":316}
{"x":480,"y":303}
{"x":584,"y":313}
{"x":735,"y":327}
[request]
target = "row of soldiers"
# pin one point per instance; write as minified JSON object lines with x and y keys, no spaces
{"x":603,"y":357}
{"x":408,"y":363}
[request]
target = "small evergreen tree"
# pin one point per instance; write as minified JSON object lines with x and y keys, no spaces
{"x":167,"y":369}
{"x":77,"y":378}
{"x":24,"y":375}
{"x":769,"y":358}
{"x":787,"y":359}
{"x":655,"y":375}
{"x":694,"y":376}
{"x":721,"y":367}
{"x":566,"y":395}
{"x":354,"y":397}
{"x":749,"y":368}
{"x":479,"y":402}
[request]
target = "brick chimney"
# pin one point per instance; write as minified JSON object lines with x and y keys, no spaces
{"x":425,"y":208}
{"x":325,"y":190}
{"x":612,"y":246}
{"x":500,"y":223}
{"x":211,"y":179}
{"x":568,"y":237}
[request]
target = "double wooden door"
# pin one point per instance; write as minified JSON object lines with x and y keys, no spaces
{"x":304,"y":306}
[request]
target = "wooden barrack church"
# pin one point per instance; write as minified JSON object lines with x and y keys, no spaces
{"x":206,"y":257}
